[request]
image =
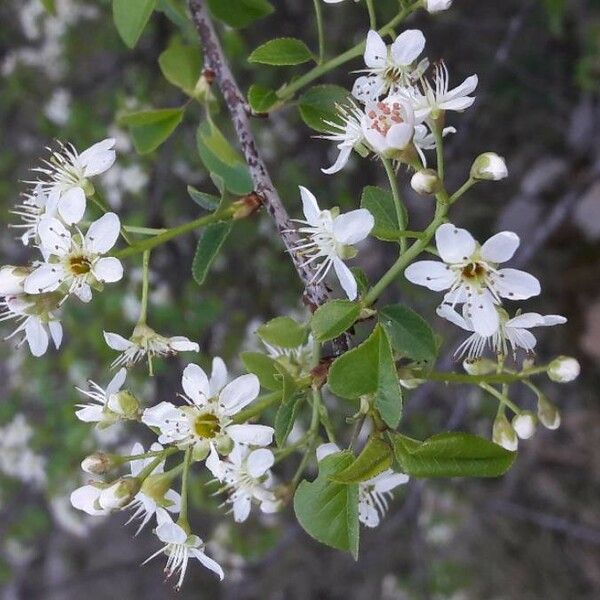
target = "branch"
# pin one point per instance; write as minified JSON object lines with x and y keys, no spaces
{"x":214,"y":59}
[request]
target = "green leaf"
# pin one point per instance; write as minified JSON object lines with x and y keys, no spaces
{"x":220,"y":158}
{"x":451,"y":455}
{"x":328,"y":511}
{"x":369,"y":369}
{"x":208,"y":248}
{"x":333,"y":318}
{"x":150,"y":128}
{"x":375,"y":458}
{"x":380,"y":203}
{"x":283,"y":332}
{"x":318,"y":105}
{"x":409,"y":333}
{"x":206,"y":201}
{"x":281,"y":52}
{"x":261,"y":98}
{"x":240,"y":13}
{"x":131,"y":17}
{"x":50,"y":6}
{"x":181,"y":65}
{"x":288,"y":409}
{"x":265,"y":368}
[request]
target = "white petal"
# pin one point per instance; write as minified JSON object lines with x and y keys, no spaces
{"x":195,"y":384}
{"x":368,"y":88}
{"x":45,"y":278}
{"x":448,"y":313}
{"x":457,"y":104}
{"x":84,"y":498}
{"x":465,"y":88}
{"x":375,"y":51}
{"x":239,"y":393}
{"x":214,"y":464}
{"x":54,"y":237}
{"x":367,"y":514}
{"x":37,"y":337}
{"x":526,"y":321}
{"x":251,"y":434}
{"x":116,"y":383}
{"x":116,"y":341}
{"x":71,"y":206}
{"x":83,"y":292}
{"x":432,"y":274}
{"x":325,"y":450}
{"x":551,"y":320}
{"x":155,"y":416}
{"x":137,"y":465}
{"x":400,"y":135}
{"x":56,"y":333}
{"x":10,"y":283}
{"x":408,"y":46}
{"x":500,"y":247}
{"x":171,"y":533}
{"x":218,"y":376}
{"x":103,"y":233}
{"x":241,"y":508}
{"x":521,"y":338}
{"x":310,"y":207}
{"x":388,"y":480}
{"x":346,"y":278}
{"x":376,"y":140}
{"x":354,"y":226}
{"x":108,"y":270}
{"x":208,"y":562}
{"x":340,"y":162}
{"x":516,"y":285}
{"x":455,"y":245}
{"x":481,"y":311}
{"x":179,"y":343}
{"x":98,"y":158}
{"x":89,"y":414}
{"x":259,"y":462}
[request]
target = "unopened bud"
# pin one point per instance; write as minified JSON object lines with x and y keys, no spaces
{"x":99,"y":463}
{"x":125,"y":404}
{"x":224,"y":445}
{"x":564,"y":369}
{"x":426,"y":182}
{"x":503,"y":434}
{"x":411,"y":384}
{"x":202,"y":90}
{"x":246,"y":205}
{"x":11,"y":280}
{"x":524,"y":424}
{"x":548,"y":414}
{"x":120,"y":493}
{"x":479,"y":366}
{"x":156,"y":487}
{"x":200,"y":450}
{"x":489,"y":166}
{"x":434,"y":6}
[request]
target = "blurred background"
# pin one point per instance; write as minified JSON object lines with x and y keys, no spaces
{"x":533,"y":534}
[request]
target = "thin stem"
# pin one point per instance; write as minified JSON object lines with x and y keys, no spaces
{"x":147,"y":470}
{"x":183,"y":516}
{"x":372,"y":14}
{"x":400,"y":210}
{"x":496,"y":378}
{"x":145,"y":278}
{"x":465,"y":187}
{"x":143,"y":230}
{"x":258,"y":407}
{"x":290,"y":90}
{"x":162,"y":453}
{"x":500,"y":397}
{"x":407,"y":257}
{"x":312,"y":432}
{"x":175,"y":232}
{"x":439,"y":149}
{"x":320,"y":29}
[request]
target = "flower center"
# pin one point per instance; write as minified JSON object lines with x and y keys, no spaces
{"x":206,"y":425}
{"x":474,"y":271}
{"x":80,"y":265}
{"x":385,"y":115}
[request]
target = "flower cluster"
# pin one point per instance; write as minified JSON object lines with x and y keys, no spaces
{"x":71,"y":262}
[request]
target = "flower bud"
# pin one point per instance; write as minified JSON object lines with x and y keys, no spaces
{"x":489,"y":166}
{"x":434,"y":6}
{"x":99,"y":463}
{"x":156,"y":486}
{"x":524,"y":424}
{"x":411,"y":384}
{"x":503,"y":434}
{"x":479,"y":366}
{"x":426,"y":182}
{"x":548,"y":414}
{"x":246,"y":206}
{"x":564,"y":369}
{"x":224,"y":445}
{"x":11,"y":280}
{"x":120,"y":493}
{"x":202,"y":90}
{"x":200,"y":450}
{"x":125,"y":404}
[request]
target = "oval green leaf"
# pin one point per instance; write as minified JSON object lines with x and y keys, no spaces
{"x":333,"y":318}
{"x":281,"y":52}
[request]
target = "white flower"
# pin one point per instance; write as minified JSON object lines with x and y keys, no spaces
{"x":470,"y":273}
{"x":143,"y":505}
{"x":373,"y":494}
{"x":348,"y":135}
{"x":87,"y":499}
{"x":503,"y":433}
{"x":246,"y":476}
{"x":206,"y":421}
{"x":564,"y":369}
{"x":330,"y":239}
{"x":425,"y":140}
{"x":511,"y":332}
{"x":36,"y":206}
{"x":67,"y":172}
{"x":145,"y":342}
{"x":389,"y":126}
{"x":390,"y":69}
{"x":489,"y":166}
{"x":106,"y":407}
{"x":76,"y":261}
{"x":436,"y":99}
{"x":37,"y":319}
{"x":434,"y":6}
{"x":179,"y":546}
